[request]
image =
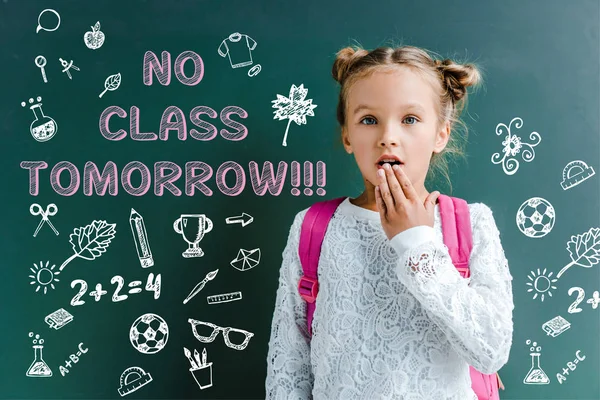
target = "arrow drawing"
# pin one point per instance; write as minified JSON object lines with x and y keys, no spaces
{"x":244,"y":219}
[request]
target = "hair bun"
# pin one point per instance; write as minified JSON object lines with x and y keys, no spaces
{"x":345,"y":59}
{"x":458,"y":77}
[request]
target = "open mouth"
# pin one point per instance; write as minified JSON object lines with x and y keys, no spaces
{"x":392,"y":163}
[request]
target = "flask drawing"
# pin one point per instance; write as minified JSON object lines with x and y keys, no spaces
{"x":536,"y":375}
{"x":140,"y":237}
{"x":43,"y":128}
{"x":38,"y":368}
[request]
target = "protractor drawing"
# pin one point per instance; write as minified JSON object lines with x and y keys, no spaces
{"x":574,"y":173}
{"x":132,"y":379}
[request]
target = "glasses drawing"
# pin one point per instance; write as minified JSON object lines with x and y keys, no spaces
{"x":215,"y":331}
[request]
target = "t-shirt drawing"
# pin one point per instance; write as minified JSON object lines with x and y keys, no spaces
{"x":238,"y":50}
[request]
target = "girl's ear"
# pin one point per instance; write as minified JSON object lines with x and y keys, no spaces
{"x":346,"y":141}
{"x":442,"y":137}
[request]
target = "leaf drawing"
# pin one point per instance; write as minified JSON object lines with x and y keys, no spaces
{"x":111,"y":83}
{"x":584,"y":250}
{"x":294,"y":108}
{"x":90,"y":241}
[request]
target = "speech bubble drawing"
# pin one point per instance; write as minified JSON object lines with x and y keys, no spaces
{"x":39,"y":25}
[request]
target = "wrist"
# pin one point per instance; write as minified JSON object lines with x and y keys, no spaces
{"x":412,"y":237}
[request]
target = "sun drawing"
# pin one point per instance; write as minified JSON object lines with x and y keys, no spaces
{"x":43,"y":276}
{"x":541,"y":283}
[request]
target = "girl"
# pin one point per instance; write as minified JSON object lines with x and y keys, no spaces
{"x":394,"y":318}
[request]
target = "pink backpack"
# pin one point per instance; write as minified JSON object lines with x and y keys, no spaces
{"x":456,"y":230}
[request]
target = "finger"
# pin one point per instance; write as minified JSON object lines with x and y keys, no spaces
{"x":408,"y":190}
{"x":379,"y":201}
{"x":384,"y":190}
{"x":394,"y":185}
{"x":430,"y":202}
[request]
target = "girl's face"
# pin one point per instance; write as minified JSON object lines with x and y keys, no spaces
{"x":392,"y":112}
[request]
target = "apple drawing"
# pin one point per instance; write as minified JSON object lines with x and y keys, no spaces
{"x":95,"y":38}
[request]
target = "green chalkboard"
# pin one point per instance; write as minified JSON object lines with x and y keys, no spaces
{"x":158,"y":118}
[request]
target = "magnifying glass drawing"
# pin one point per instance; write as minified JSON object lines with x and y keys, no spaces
{"x":40,"y":27}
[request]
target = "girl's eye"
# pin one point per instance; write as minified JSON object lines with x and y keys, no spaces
{"x":368,"y":121}
{"x":372,"y":121}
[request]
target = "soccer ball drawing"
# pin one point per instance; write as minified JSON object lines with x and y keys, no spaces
{"x":535,"y":217}
{"x":149,"y":334}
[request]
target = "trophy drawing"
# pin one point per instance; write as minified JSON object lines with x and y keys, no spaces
{"x":192,"y":227}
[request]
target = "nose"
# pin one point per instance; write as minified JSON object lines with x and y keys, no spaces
{"x":389,"y":136}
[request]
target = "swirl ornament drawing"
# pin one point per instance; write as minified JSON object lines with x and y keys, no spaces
{"x":513,"y":145}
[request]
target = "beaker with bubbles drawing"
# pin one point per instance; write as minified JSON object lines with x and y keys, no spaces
{"x":536,"y":375}
{"x":43,"y":128}
{"x":38,"y":368}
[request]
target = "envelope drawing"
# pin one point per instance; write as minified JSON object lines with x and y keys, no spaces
{"x":246,"y":259}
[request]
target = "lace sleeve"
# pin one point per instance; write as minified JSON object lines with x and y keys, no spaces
{"x":475,"y":313}
{"x":289,"y":372}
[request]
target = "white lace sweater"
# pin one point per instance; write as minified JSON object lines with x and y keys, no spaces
{"x":384,"y":330}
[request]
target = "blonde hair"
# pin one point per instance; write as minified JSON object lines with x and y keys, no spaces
{"x":449,"y":81}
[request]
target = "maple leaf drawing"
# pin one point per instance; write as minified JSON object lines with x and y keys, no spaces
{"x":584,"y":250}
{"x":293,"y":108}
{"x":90,"y":241}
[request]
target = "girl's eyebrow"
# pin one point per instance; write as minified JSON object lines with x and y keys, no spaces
{"x":414,"y":106}
{"x":407,"y":106}
{"x":360,"y":107}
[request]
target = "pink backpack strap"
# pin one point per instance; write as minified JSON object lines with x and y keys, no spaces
{"x":312,"y":234}
{"x":456,"y":230}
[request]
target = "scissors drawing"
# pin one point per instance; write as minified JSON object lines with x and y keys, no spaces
{"x":51,"y":210}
